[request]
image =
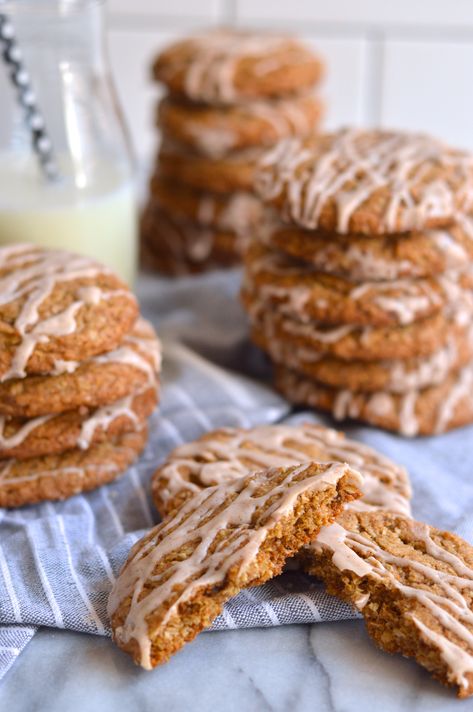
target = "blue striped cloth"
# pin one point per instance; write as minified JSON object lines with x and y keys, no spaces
{"x":58,"y":560}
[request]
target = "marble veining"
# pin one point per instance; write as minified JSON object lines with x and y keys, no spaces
{"x":326,"y":667}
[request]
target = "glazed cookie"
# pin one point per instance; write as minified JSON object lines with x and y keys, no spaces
{"x":223,"y":175}
{"x":361,"y":258}
{"x":300,"y":292}
{"x":173,"y":245}
{"x":83,"y":427}
{"x":226,"y":66}
{"x":367,"y":181}
{"x":57,"y":306}
{"x":217,"y":131}
{"x":223,"y":455}
{"x":422,"y":338}
{"x":94,"y":382}
{"x":54,"y":477}
{"x":427,"y":411}
{"x":395,"y":376}
{"x":412,"y":583}
{"x":237,"y":213}
{"x":226,"y":538}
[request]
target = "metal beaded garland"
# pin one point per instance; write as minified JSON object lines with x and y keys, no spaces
{"x":20,"y":78}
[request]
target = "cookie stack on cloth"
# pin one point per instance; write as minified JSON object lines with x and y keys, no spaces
{"x":230,"y":95}
{"x":237,"y":503}
{"x":79,"y":375}
{"x":359,"y":285}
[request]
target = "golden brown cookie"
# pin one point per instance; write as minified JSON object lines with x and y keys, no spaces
{"x":217,"y":131}
{"x":238,"y":213}
{"x":427,"y":411}
{"x":94,"y":382}
{"x":226,"y":538}
{"x":362,"y":258}
{"x":226,"y":66}
{"x":367,"y":181}
{"x":57,"y":306}
{"x":53,"y":477}
{"x":300,"y":292}
{"x":395,"y":376}
{"x":83,"y":427}
{"x":223,"y":455}
{"x":412,"y":583}
{"x":346,"y":341}
{"x":176,"y":246}
{"x":218,"y":175}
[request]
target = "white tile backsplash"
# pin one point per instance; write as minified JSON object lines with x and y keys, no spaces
{"x":406,"y":64}
{"x":342,"y":89}
{"x":369,"y":12}
{"x":427,"y":86}
{"x":205,"y":10}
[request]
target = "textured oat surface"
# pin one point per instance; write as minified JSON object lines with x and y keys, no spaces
{"x":412,"y":583}
{"x":367,"y":181}
{"x":223,"y":455}
{"x":56,"y":477}
{"x":226,"y":538}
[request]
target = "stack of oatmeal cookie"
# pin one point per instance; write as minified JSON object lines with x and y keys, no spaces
{"x":359,"y":287}
{"x":230,"y":95}
{"x":79,"y":375}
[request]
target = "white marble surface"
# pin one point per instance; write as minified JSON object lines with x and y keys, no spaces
{"x":330,"y":667}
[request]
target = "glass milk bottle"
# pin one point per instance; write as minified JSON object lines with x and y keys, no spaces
{"x":89,"y":206}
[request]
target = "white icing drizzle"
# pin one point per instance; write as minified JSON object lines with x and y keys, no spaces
{"x":210,"y":75}
{"x":406,"y":299}
{"x":285,"y":117}
{"x":400,"y":376}
{"x":31,"y":275}
{"x":37,"y":472}
{"x":101,"y":418}
{"x":362,"y":555}
{"x":351,"y":165}
{"x":403,"y":408}
{"x":140,"y":349}
{"x":196,"y":526}
{"x":237,"y":452}
{"x":463,"y":387}
{"x":183,"y":240}
{"x":63,"y":472}
{"x":212,"y":141}
{"x":8,"y":442}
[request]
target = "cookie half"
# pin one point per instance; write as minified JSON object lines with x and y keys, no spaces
{"x":226,"y":538}
{"x":412,"y":583}
{"x":221,"y":456}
